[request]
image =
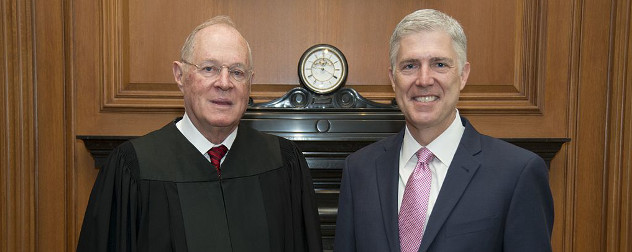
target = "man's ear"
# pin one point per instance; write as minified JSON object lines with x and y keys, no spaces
{"x":464,"y":74}
{"x":252,"y":78}
{"x":178,"y":74}
{"x":391,"y":77}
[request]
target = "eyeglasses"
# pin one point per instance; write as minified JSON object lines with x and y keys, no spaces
{"x":212,"y":71}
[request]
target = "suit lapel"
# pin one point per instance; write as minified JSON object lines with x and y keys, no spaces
{"x":463,"y":167}
{"x":387,"y":178}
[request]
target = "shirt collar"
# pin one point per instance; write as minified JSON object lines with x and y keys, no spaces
{"x":443,"y":147}
{"x":197,"y":139}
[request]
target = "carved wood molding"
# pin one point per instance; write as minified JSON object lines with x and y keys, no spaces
{"x":619,"y":204}
{"x":523,"y":96}
{"x":301,"y":98}
{"x":18,"y":180}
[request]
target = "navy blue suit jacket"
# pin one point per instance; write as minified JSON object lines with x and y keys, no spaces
{"x":495,"y":197}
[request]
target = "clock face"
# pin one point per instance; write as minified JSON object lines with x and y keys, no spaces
{"x":322,"y":69}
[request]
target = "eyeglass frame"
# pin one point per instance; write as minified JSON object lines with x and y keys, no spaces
{"x":248,"y":72}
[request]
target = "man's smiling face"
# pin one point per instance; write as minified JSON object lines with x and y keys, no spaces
{"x":426,"y":80}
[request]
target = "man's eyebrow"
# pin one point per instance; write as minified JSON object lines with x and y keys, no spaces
{"x":238,"y":65}
{"x":408,"y":61}
{"x":211,"y":61}
{"x":432,"y":59}
{"x":442,"y":59}
{"x":215,"y":62}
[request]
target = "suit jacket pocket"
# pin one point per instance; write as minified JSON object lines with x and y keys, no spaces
{"x":472,"y":226}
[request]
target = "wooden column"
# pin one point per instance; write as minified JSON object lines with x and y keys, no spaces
{"x":18,"y":120}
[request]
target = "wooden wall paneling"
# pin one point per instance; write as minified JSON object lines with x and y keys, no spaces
{"x":118,"y":91}
{"x":620,"y":133}
{"x":37,"y":138}
{"x":625,"y":240}
{"x":52,"y":125}
{"x":557,"y":68}
{"x":552,"y":83}
{"x":88,"y":62}
{"x":154,"y":34}
{"x":559,"y":183}
{"x":587,"y":124}
{"x":135,"y":76}
{"x":522,"y":94}
{"x":70,"y":173}
{"x":17,"y":179}
{"x":569,"y":240}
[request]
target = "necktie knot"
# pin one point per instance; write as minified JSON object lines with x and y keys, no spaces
{"x":216,"y":154}
{"x":425,"y":155}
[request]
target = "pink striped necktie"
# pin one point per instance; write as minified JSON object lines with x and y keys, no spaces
{"x":412,"y":213}
{"x":216,"y":154}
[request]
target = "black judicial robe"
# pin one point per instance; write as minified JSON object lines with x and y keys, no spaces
{"x":158,"y":193}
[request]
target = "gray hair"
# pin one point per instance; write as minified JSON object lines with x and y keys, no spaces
{"x":430,"y":20}
{"x":187,"y":48}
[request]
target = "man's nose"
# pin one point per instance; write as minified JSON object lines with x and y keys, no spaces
{"x":223,"y":80}
{"x":424,"y":77}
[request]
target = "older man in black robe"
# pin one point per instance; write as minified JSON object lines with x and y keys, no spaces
{"x":203,"y":182}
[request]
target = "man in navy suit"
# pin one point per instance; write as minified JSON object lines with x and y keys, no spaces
{"x":464,"y":191}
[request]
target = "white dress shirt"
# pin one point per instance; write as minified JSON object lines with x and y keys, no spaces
{"x":198,"y":140}
{"x":443,"y":147}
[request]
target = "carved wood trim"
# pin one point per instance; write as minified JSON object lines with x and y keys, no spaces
{"x":17,"y":130}
{"x":118,"y":93}
{"x":54,"y":209}
{"x":619,"y":205}
{"x":591,"y":194}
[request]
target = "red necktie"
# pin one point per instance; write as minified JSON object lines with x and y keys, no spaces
{"x":216,"y":154}
{"x":412,"y":213}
